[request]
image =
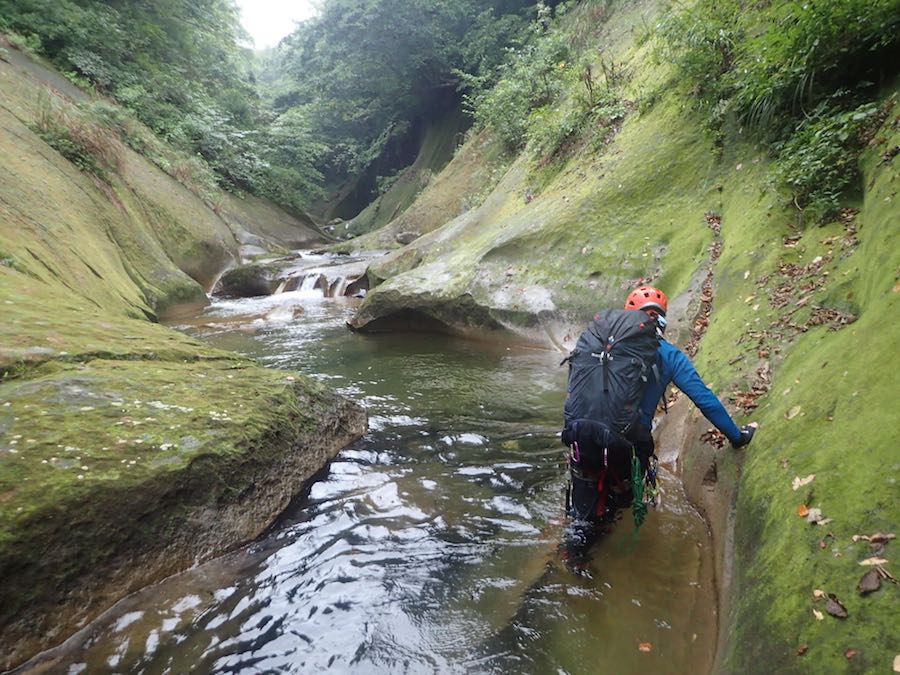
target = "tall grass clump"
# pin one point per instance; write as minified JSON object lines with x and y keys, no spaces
{"x":85,"y":142}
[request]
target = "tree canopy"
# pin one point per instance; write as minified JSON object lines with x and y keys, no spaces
{"x":364,"y":71}
{"x":320,"y":109}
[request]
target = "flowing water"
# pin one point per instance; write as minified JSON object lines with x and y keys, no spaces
{"x":429,"y":546}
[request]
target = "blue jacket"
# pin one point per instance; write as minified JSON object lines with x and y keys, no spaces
{"x":675,"y":367}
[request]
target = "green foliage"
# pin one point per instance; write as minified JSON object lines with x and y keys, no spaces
{"x":177,"y":65}
{"x":10,"y":261}
{"x":700,"y":41}
{"x":820,"y":159}
{"x":809,"y":50}
{"x":553,"y":89}
{"x":89,"y":145}
{"x":765,"y":65}
{"x":534,"y":76}
{"x":30,"y":43}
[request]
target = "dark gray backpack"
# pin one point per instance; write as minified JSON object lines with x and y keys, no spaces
{"x":609,"y":369}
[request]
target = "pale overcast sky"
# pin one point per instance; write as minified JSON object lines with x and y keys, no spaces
{"x":268,"y":21}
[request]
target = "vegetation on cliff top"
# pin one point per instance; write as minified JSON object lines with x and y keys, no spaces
{"x":799,"y":76}
{"x":181,"y":69}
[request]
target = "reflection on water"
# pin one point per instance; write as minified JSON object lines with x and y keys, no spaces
{"x":431,"y":545}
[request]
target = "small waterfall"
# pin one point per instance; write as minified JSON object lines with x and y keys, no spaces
{"x":310,"y":283}
{"x":337,"y":288}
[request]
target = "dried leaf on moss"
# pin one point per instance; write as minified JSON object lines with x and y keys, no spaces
{"x":835,"y":607}
{"x":798,"y":482}
{"x":870,"y":582}
{"x":874,"y":561}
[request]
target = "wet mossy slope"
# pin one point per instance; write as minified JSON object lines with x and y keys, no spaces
{"x":800,"y":337}
{"x":128,"y":451}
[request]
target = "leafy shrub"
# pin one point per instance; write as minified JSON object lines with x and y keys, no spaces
{"x":809,"y":51}
{"x":523,"y":101}
{"x":549,"y":128}
{"x":701,"y":42}
{"x":30,"y":43}
{"x":820,"y":160}
{"x":88,"y":144}
{"x":766,"y":65}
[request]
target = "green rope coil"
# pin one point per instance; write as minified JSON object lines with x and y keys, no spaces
{"x":638,"y":507}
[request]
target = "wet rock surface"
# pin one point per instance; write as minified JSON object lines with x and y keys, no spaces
{"x":247,"y":281}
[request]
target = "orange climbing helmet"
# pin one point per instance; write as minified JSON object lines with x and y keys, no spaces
{"x":648,"y":297}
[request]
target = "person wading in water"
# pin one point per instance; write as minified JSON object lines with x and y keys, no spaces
{"x":618,"y":374}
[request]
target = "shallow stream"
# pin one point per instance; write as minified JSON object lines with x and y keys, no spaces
{"x":429,"y":546}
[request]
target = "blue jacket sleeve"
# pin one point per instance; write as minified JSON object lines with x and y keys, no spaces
{"x":686,"y":378}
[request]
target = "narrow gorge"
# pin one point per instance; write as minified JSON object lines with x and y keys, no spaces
{"x":286,"y":396}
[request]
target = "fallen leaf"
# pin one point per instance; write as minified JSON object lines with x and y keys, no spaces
{"x":870,"y":582}
{"x":803,"y":511}
{"x":850,"y":653}
{"x":819,"y":616}
{"x":880,"y":537}
{"x":793,"y":412}
{"x":645,"y":647}
{"x":835,"y":608}
{"x":798,"y":482}
{"x":874,"y":561}
{"x":802,"y":649}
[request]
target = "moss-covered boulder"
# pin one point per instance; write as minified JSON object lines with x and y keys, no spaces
{"x":116,"y":474}
{"x":247,"y":281}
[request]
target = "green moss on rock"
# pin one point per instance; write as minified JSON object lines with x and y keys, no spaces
{"x":128,"y":452}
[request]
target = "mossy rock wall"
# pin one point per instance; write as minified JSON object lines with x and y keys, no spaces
{"x":440,"y":139}
{"x":128,"y":452}
{"x":799,"y":327}
{"x":248,"y":213}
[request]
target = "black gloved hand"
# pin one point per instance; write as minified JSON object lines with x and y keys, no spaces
{"x":747,"y":432}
